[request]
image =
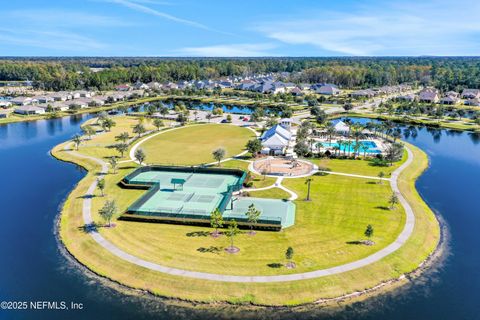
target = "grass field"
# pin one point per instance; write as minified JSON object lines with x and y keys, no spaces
{"x":361,"y":167}
{"x":340,"y":210}
{"x":101,"y":145}
{"x":194,"y":144}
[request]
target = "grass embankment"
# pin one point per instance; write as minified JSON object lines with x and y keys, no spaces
{"x":339,"y":212}
{"x":20,"y":118}
{"x":464,"y":124}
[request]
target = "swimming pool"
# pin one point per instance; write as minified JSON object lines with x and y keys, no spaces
{"x":371,"y":147}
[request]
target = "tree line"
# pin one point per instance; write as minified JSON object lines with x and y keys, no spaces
{"x":446,"y":73}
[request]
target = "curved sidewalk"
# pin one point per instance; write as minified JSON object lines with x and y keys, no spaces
{"x":397,"y":244}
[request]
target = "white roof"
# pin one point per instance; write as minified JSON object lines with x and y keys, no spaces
{"x":277,"y":130}
{"x":274,"y":141}
{"x":340,"y":126}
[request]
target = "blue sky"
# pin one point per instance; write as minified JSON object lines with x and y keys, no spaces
{"x":238,"y":28}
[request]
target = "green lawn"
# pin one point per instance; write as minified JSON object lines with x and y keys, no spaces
{"x":274,"y":193}
{"x":194,"y":144}
{"x":361,"y":167}
{"x":340,"y":209}
{"x":100,"y":145}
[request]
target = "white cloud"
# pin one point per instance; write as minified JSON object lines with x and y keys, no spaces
{"x":63,"y":18}
{"x":229,"y":50}
{"x":406,"y":28}
{"x":55,"y":40}
{"x":138,"y":6}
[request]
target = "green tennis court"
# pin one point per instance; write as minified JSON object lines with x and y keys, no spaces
{"x":189,"y":195}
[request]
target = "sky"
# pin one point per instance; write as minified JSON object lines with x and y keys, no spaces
{"x":223,"y":28}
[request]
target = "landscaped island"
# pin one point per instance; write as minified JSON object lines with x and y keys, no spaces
{"x":341,"y":219}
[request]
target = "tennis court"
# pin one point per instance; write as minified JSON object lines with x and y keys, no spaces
{"x":189,"y":195}
{"x":196,"y":194}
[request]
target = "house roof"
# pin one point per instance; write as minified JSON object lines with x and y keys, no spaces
{"x":277,"y":130}
{"x":340,"y":126}
{"x":275,"y":140}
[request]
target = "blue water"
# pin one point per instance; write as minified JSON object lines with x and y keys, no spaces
{"x":371,"y":147}
{"x":32,"y":267}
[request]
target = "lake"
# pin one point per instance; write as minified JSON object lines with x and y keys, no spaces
{"x":33,"y":268}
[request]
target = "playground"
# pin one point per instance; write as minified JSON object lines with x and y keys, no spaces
{"x":283,"y":167}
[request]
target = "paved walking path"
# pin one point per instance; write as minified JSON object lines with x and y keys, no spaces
{"x":397,"y":244}
{"x":277,"y":184}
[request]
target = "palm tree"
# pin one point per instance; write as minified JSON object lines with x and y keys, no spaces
{"x":362,"y":146}
{"x":77,"y":140}
{"x":330,"y":132}
{"x":113,"y":163}
{"x":308,"y":182}
{"x":319,"y":145}
{"x":347,"y":143}
{"x":341,"y":144}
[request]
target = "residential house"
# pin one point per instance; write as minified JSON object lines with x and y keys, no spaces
{"x":473,"y":102}
{"x":140,"y":85}
{"x":29,"y":110}
{"x":5,"y":104}
{"x":122,"y":87}
{"x":450,"y":97}
{"x":4,"y":114}
{"x":328,"y":89}
{"x":367,"y":93}
{"x":428,"y":95}
{"x":22,"y":101}
{"x":408,"y":97}
{"x":470,"y":93}
{"x":44,"y":99}
{"x":74,"y":104}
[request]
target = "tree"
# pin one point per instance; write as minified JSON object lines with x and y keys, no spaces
{"x":77,"y":140}
{"x":158,"y":123}
{"x":381,"y":175}
{"x":124,"y":136}
{"x":369,"y":231}
{"x":209,"y":116}
{"x":108,"y":210}
{"x":321,"y":117}
{"x":393,"y":200}
{"x":219,"y":154}
{"x":308,"y":182}
{"x":113,"y":163}
{"x":254,"y":146}
{"x":121,"y":148}
{"x":139,"y":129}
{"x":289,"y":256}
{"x":140,"y":155}
{"x":107,"y":124}
{"x":182,"y":118}
{"x":216,"y":221}
{"x":101,"y":185}
{"x":253,"y":214}
{"x":88,"y":131}
{"x":394,"y":152}
{"x":301,"y":148}
{"x":217,"y":111}
{"x":229,"y":118}
{"x":231,"y":233}
{"x":289,"y":253}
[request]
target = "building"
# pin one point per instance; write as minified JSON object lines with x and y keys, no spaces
{"x":276,"y":140}
{"x":4,"y":114}
{"x":29,"y":110}
{"x":328,"y":89}
{"x":122,"y":87}
{"x":470,"y":93}
{"x":22,"y":101}
{"x":5,"y":104}
{"x":428,"y":95}
{"x":367,"y":93}
{"x":450,"y":97}
{"x":473,"y":102}
{"x":341,"y":127}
